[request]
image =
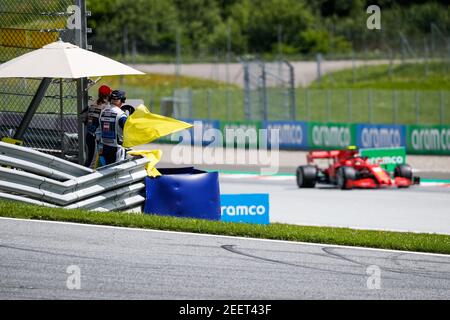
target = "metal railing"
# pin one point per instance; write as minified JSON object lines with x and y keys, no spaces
{"x":34,"y":177}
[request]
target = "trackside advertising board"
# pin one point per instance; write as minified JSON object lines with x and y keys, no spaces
{"x":200,"y":134}
{"x":292,"y":134}
{"x":380,"y":136}
{"x":388,"y":158}
{"x":330,"y":135}
{"x":298,"y":135}
{"x":240,"y":133}
{"x":428,"y":139}
{"x":246,"y":208}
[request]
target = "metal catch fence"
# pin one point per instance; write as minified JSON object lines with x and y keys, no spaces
{"x":24,"y":27}
{"x":268,"y":89}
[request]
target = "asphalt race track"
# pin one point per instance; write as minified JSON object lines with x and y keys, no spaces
{"x":417,"y":209}
{"x":122,"y":263}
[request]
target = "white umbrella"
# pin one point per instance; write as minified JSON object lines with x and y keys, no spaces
{"x":63,"y":60}
{"x":58,"y":60}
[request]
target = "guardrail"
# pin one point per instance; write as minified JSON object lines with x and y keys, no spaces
{"x":37,"y":178}
{"x":59,"y":165}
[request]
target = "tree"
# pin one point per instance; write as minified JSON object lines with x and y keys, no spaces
{"x":119,"y":23}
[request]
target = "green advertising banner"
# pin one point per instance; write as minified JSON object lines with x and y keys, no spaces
{"x":388,"y":158}
{"x":428,"y":139}
{"x":240,"y":133}
{"x":330,"y":135}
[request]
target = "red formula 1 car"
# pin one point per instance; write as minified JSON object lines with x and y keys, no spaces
{"x":348,"y":170}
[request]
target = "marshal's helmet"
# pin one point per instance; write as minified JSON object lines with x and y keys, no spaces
{"x":118,"y":95}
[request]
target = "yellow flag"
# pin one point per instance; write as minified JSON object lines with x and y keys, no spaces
{"x":154,"y":155}
{"x":12,"y":141}
{"x":143,"y":127}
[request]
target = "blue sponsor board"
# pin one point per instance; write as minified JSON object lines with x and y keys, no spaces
{"x":292,"y":134}
{"x":246,"y":208}
{"x":380,"y":136}
{"x":203,"y":132}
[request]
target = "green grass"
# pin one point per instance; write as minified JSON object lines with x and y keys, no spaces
{"x":339,"y":236}
{"x":408,"y":76}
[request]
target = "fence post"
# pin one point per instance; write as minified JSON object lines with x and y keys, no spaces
{"x":319,"y":66}
{"x":229,"y":105}
{"x":391,"y":63}
{"x":369,"y":97}
{"x":394,"y":100}
{"x":349,"y":104}
{"x":247,"y":109}
{"x":328,"y":105}
{"x":61,"y":114}
{"x":178,"y":59}
{"x":402,"y":50}
{"x":292,"y":92}
{"x":208,"y":102}
{"x":264,"y":94}
{"x":448,"y":53}
{"x":191,"y":111}
{"x":366,"y":66}
{"x":353,"y":67}
{"x":308,"y":109}
{"x":441,"y":107}
{"x":417,"y":106}
{"x":426,"y":52}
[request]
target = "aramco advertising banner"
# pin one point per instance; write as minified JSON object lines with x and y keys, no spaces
{"x":388,"y":158}
{"x":428,"y":139}
{"x":240,"y":133}
{"x":245,"y":208}
{"x":380,"y":136}
{"x":203,"y":132}
{"x":291,"y":134}
{"x":330,"y":135}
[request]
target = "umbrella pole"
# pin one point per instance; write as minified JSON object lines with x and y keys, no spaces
{"x":61,"y":104}
{"x":34,"y":104}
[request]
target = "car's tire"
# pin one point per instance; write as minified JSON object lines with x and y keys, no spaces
{"x":306,"y":176}
{"x":403,"y":171}
{"x":343,"y":175}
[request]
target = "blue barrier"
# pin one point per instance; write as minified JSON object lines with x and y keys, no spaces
{"x":380,"y":136}
{"x":184,"y":192}
{"x":247,"y":208}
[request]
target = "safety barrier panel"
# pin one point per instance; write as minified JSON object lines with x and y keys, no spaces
{"x":37,"y":178}
{"x":59,"y":165}
{"x":184,"y":192}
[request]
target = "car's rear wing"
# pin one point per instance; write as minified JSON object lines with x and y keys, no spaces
{"x":331,"y":154}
